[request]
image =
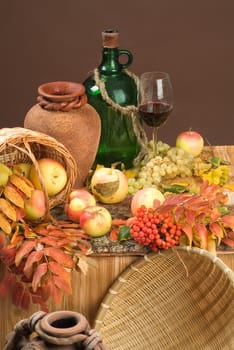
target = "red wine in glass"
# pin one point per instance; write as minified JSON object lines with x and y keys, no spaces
{"x":155,"y":114}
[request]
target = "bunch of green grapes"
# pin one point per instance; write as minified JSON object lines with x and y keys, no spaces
{"x":169,"y":163}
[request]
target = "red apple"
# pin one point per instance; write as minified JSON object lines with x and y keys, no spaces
{"x":150,"y":197}
{"x":191,"y":142}
{"x":95,"y":220}
{"x":35,"y":206}
{"x":53,"y":174}
{"x":78,"y":200}
{"x":109,"y":185}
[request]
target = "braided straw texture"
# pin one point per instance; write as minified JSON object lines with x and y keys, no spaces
{"x":21,"y":145}
{"x":178,"y":299}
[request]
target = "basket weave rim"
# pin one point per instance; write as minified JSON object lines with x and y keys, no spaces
{"x":147,"y":259}
{"x":17,"y":136}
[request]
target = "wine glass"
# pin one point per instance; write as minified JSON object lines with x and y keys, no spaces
{"x":155,"y":101}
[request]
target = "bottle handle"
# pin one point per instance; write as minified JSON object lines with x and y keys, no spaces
{"x":129,"y":58}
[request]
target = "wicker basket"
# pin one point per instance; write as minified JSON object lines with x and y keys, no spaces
{"x":20,"y":145}
{"x":178,"y":299}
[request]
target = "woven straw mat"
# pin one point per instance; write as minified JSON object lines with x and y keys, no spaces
{"x":176,"y":299}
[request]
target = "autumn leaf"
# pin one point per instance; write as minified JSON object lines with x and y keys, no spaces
{"x":216,"y":230}
{"x":38,"y":274}
{"x":202,"y":233}
{"x":4,"y":224}
{"x":11,"y":193}
{"x":228,"y":221}
{"x":54,"y":241}
{"x":6,"y":284}
{"x":52,"y":290}
{"x":63,"y":285}
{"x":59,"y":256}
{"x":33,"y":257}
{"x":187,"y":229}
{"x":229,"y":242}
{"x":17,"y":293}
{"x":7,"y":255}
{"x":3,"y":240}
{"x":114,"y":234}
{"x":8,"y":209}
{"x":190,"y":216}
{"x":38,"y":299}
{"x":25,"y":300}
{"x":59,"y":270}
{"x":23,"y":251}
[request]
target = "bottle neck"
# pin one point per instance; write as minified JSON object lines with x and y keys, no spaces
{"x":110,"y":61}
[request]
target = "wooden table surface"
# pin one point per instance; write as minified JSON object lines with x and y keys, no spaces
{"x":89,"y":290}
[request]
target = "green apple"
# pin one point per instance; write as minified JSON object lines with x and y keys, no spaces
{"x":53,"y":174}
{"x":35,"y":207}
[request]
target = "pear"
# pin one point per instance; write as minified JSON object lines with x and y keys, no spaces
{"x":5,"y":172}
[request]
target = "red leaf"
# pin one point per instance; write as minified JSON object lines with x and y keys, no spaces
{"x":229,"y":242}
{"x":7,"y":255}
{"x":59,"y":256}
{"x":3,"y":240}
{"x":54,"y":241}
{"x":54,"y":292}
{"x":25,"y":300}
{"x":6,"y":284}
{"x":216,"y":230}
{"x":38,"y":274}
{"x":33,"y":257}
{"x":114,"y":234}
{"x":59,"y":270}
{"x":37,"y":299}
{"x":190,"y":216}
{"x":187,"y":229}
{"x":25,"y":248}
{"x":62,"y":285}
{"x":228,"y":221}
{"x":17,"y":293}
{"x":202,"y":234}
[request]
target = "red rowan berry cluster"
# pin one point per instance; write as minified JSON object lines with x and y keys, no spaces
{"x":154,"y":229}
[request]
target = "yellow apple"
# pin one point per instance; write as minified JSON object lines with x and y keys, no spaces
{"x":109,"y":185}
{"x":150,"y":197}
{"x":5,"y":172}
{"x":95,"y":220}
{"x":53,"y":174}
{"x":22,"y":169}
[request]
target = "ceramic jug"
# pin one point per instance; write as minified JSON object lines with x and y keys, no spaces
{"x":62,"y":112}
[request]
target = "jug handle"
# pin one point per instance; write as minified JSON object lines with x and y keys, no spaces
{"x":129,"y":58}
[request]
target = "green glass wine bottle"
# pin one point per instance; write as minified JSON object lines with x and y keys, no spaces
{"x":112,"y":91}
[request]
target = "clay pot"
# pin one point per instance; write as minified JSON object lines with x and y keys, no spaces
{"x":67,"y":330}
{"x":62,"y":112}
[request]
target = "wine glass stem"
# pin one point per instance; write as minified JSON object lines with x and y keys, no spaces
{"x":155,"y":141}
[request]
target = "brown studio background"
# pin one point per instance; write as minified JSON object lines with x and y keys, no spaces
{"x":61,"y":40}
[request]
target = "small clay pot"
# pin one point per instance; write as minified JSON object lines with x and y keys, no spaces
{"x":67,"y":330}
{"x":62,"y":112}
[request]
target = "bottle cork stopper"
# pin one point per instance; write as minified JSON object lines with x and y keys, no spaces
{"x":110,"y":38}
